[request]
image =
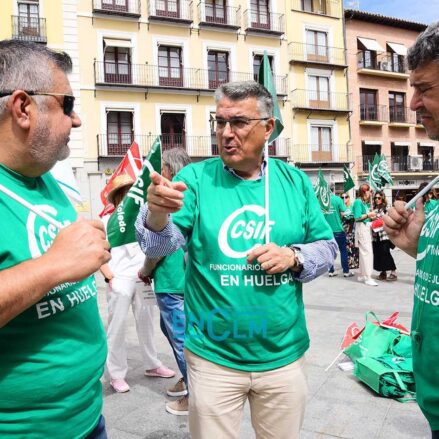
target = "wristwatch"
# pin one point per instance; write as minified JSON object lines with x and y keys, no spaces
{"x":300,"y":259}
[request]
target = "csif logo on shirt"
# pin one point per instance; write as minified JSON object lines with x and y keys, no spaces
{"x":40,"y":234}
{"x":243,"y":230}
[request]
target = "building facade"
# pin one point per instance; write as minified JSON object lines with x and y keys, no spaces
{"x":382,"y":121}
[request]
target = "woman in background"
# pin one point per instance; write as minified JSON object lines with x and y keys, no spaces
{"x":381,"y":244}
{"x":348,"y":222}
{"x":363,"y":237}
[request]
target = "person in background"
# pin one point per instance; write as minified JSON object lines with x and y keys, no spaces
{"x":348,"y":222}
{"x":333,"y":217}
{"x":363,"y":237}
{"x":429,"y":199}
{"x":381,"y":244}
{"x":168,"y":274}
{"x":52,"y":341}
{"x":418,"y":235}
{"x":124,"y":290}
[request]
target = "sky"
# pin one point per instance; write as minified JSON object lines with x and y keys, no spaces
{"x":422,"y":11}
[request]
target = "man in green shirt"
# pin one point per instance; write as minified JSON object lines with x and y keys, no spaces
{"x":333,"y":217}
{"x":418,"y":234}
{"x":52,"y":343}
{"x":245,"y":325}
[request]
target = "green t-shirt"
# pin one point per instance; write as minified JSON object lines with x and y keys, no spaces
{"x":237,"y":315}
{"x":333,"y":216}
{"x":425,"y":320}
{"x":360,"y":208}
{"x":169,"y":274}
{"x":51,"y":355}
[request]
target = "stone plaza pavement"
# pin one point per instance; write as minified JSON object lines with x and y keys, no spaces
{"x":339,"y":406}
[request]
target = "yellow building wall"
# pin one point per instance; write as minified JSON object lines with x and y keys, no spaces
{"x":53,"y":13}
{"x":6,"y":12}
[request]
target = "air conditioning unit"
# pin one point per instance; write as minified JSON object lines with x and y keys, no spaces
{"x":385,"y":65}
{"x":415,"y":162}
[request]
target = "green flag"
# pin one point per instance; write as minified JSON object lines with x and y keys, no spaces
{"x":120,"y":227}
{"x":374,"y":177}
{"x":383,"y":170}
{"x":266,"y":79}
{"x":323,"y":192}
{"x":348,"y":182}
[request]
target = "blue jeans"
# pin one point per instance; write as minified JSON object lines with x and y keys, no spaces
{"x":340,"y":237}
{"x":99,"y":431}
{"x":171,"y":308}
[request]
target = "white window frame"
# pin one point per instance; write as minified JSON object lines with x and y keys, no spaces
{"x":325,"y":123}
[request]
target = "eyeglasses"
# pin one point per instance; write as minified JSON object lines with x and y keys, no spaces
{"x":345,"y":196}
{"x":377,"y":198}
{"x":236,"y":123}
{"x":67,"y":104}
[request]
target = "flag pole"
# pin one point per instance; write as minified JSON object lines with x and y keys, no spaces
{"x":31,"y":207}
{"x":267,"y":197}
{"x":411,"y":203}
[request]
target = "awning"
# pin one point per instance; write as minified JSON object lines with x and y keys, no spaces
{"x":371,"y":44}
{"x":431,"y":145}
{"x":113,"y":42}
{"x":399,"y":49}
{"x":401,"y":143}
{"x":373,"y":142}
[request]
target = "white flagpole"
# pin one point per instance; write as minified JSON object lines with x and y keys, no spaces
{"x":267,"y":197}
{"x":411,"y":203}
{"x":31,"y":207}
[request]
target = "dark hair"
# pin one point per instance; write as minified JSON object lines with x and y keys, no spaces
{"x":27,"y":66}
{"x":425,"y":49}
{"x":238,"y":91}
{"x":383,"y":205}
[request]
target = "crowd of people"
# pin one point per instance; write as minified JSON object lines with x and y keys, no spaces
{"x":244,"y":265}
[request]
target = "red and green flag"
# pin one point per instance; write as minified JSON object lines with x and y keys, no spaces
{"x":120,"y":227}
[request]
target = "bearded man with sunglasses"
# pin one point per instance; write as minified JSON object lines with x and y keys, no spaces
{"x":245,"y":333}
{"x":52,"y":341}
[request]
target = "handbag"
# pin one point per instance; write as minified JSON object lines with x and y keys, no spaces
{"x":377,"y":225}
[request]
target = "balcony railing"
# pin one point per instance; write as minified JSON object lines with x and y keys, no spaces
{"x":329,"y":153}
{"x":402,"y":163}
{"x":141,"y":75}
{"x":268,"y":22}
{"x":117,"y":7}
{"x":401,"y":115}
{"x":219,"y":16}
{"x":170,"y":10}
{"x":373,"y":113}
{"x":321,"y":7}
{"x":29,"y":28}
{"x":383,"y":62}
{"x":320,"y":100}
{"x":317,"y":54}
{"x":114,"y":145}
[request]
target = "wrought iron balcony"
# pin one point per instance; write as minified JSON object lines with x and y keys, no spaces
{"x":382,"y":63}
{"x":118,"y":7}
{"x":402,"y":163}
{"x":142,"y":75}
{"x":320,"y":7}
{"x":313,"y":53}
{"x":401,"y":116}
{"x":320,"y":100}
{"x":213,"y":15}
{"x":29,"y":28}
{"x":116,"y":145}
{"x":311,"y":154}
{"x":170,"y":10}
{"x":265,"y":22}
{"x":373,"y":113}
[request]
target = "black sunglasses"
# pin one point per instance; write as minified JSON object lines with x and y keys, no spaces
{"x":377,"y":198}
{"x":67,"y":104}
{"x":345,"y":196}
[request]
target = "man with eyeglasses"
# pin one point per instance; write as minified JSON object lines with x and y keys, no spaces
{"x":245,"y":335}
{"x":417,"y":233}
{"x":52,"y":341}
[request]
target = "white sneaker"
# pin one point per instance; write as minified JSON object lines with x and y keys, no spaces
{"x":348,"y":274}
{"x":361,"y":278}
{"x":333,"y":274}
{"x":371,"y":283}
